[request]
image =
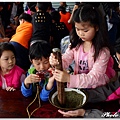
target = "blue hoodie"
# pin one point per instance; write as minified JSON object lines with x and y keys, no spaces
{"x":44,"y":94}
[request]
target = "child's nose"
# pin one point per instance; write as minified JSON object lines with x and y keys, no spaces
{"x":41,"y":66}
{"x":10,"y":60}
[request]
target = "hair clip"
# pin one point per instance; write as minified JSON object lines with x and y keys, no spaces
{"x":116,"y":59}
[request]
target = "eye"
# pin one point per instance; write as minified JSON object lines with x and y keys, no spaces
{"x":13,"y":57}
{"x":86,"y":30}
{"x":46,"y":62}
{"x":38,"y":64}
{"x":6,"y":59}
{"x":77,"y":29}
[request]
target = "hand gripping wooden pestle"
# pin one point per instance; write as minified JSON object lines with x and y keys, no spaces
{"x":60,"y":85}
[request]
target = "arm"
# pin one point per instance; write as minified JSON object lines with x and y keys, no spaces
{"x":44,"y":95}
{"x":67,"y":58}
{"x":26,"y":87}
{"x":26,"y":91}
{"x":97,"y":72}
{"x":93,"y":113}
{"x":74,"y":8}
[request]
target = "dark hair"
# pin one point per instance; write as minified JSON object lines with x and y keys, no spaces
{"x":39,"y":49}
{"x":88,"y":13}
{"x":117,"y":46}
{"x":42,"y":6}
{"x":55,"y":15}
{"x":31,"y":6}
{"x":26,"y":17}
{"x":62,"y":9}
{"x":49,"y":5}
{"x":5,"y":46}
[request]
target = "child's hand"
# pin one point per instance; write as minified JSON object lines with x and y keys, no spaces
{"x":50,"y":83}
{"x":74,"y":113}
{"x":52,"y":60}
{"x":32,"y":78}
{"x":61,"y":76}
{"x":10,"y":89}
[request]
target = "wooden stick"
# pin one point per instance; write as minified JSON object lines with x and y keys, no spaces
{"x":60,"y":85}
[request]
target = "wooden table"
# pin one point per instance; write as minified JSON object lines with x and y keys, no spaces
{"x":13,"y":104}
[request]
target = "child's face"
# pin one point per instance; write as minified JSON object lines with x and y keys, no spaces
{"x":7,"y":60}
{"x":41,"y":64}
{"x":85,"y":31}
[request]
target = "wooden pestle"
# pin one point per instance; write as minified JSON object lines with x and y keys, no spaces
{"x":60,"y":85}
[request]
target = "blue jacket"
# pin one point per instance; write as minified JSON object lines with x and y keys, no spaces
{"x":44,"y":94}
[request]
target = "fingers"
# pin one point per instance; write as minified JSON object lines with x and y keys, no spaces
{"x":58,"y":75}
{"x":61,"y":76}
{"x":65,"y":114}
{"x":34,"y":78}
{"x":10,"y":89}
{"x":53,"y":61}
{"x":68,"y":113}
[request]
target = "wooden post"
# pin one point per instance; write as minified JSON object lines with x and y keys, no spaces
{"x":60,"y":85}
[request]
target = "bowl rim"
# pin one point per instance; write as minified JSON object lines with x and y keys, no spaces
{"x":66,"y":109}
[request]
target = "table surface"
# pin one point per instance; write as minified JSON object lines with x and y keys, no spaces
{"x":14,"y":104}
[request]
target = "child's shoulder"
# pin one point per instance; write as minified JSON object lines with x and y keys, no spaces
{"x":18,"y":68}
{"x":32,"y":70}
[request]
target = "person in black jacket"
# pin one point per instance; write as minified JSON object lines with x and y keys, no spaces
{"x":59,"y":29}
{"x":42,"y":22}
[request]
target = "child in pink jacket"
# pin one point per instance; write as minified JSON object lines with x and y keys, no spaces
{"x":108,"y":92}
{"x":11,"y":75}
{"x":89,"y":49}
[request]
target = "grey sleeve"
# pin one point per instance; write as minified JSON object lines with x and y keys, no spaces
{"x":93,"y":113}
{"x":101,"y":93}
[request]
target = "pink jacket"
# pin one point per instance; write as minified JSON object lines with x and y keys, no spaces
{"x":99,"y":71}
{"x":13,"y":77}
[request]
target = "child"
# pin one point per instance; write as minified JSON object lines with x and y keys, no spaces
{"x":10,"y":74}
{"x":108,"y":92}
{"x":59,"y":29}
{"x":41,"y":21}
{"x":89,"y":49}
{"x":65,"y":16}
{"x":39,"y":56}
{"x":20,"y":40}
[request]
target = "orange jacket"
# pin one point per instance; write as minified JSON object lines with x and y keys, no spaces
{"x":23,"y":34}
{"x":65,"y":18}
